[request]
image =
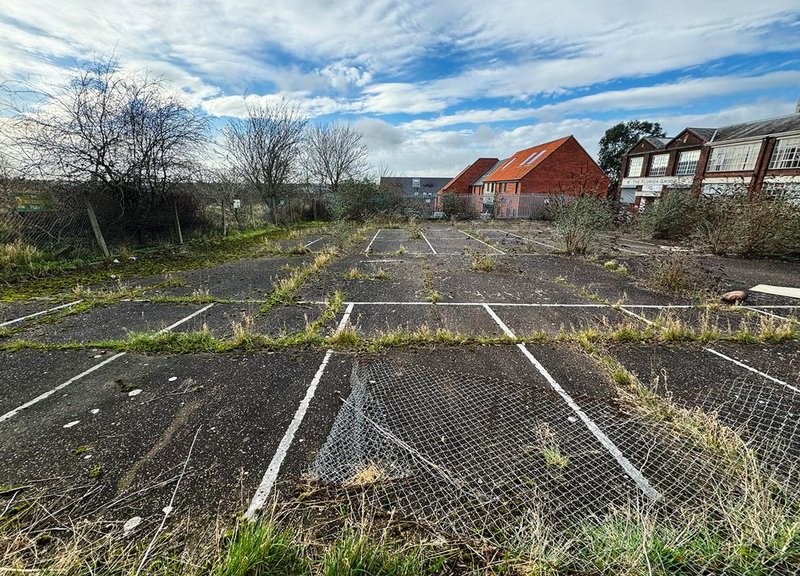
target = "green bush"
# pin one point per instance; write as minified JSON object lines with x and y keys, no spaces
{"x":579,"y":220}
{"x":458,"y":207}
{"x":738,"y":224}
{"x":672,"y":217}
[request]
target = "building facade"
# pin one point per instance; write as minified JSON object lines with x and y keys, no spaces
{"x":753,"y":157}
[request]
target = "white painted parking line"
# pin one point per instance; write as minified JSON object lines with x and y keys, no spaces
{"x":29,"y":316}
{"x":313,"y":242}
{"x":182,"y":320}
{"x":788,"y":291}
{"x":271,"y":475}
{"x":345,"y":318}
{"x":63,"y":385}
{"x":545,"y":244}
{"x":751,"y":369}
{"x":429,"y":244}
{"x":482,"y":242}
{"x":371,"y":241}
{"x":633,"y":472}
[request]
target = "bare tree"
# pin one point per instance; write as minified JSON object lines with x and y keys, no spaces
{"x":263,"y":147}
{"x":335,"y":153}
{"x":118,"y":134}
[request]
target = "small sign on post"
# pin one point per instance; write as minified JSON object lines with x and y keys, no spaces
{"x":237,"y":203}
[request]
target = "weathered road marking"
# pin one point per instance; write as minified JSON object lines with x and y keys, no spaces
{"x":429,"y":244}
{"x":545,"y":244}
{"x":751,"y":369}
{"x":29,"y":316}
{"x":371,"y":241}
{"x":271,"y":475}
{"x":482,"y":242}
{"x":44,"y":396}
{"x":633,"y":472}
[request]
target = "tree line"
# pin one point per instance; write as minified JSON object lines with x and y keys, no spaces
{"x":128,"y":140}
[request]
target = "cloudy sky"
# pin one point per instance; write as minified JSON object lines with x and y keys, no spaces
{"x":434,"y":84}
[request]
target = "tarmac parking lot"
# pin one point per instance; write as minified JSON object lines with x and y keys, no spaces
{"x":461,"y":365}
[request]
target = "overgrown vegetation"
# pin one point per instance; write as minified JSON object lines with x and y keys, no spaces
{"x":673,"y":217}
{"x":579,"y":220}
{"x":734,"y":223}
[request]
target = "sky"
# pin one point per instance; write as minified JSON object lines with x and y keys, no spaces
{"x":432,"y":85}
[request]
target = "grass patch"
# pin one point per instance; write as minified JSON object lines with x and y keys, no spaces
{"x":483,"y":263}
{"x":356,"y":274}
{"x":615,"y":266}
{"x":261,"y":548}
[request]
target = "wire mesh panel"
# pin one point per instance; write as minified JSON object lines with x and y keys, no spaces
{"x":465,"y":453}
{"x":474,"y":456}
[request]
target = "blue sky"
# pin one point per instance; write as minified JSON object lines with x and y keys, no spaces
{"x":433,"y":84}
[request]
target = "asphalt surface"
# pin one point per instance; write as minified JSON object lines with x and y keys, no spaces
{"x":137,"y":418}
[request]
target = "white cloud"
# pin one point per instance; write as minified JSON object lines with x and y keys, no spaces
{"x":310,"y":106}
{"x":379,"y":135}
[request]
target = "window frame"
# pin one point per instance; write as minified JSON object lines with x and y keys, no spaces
{"x":631,"y":162}
{"x":733,"y":158}
{"x":681,"y":168}
{"x":660,"y":170}
{"x":781,"y":158}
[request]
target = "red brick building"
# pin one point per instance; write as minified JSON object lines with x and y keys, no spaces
{"x":524,"y":183}
{"x":760,"y":157}
{"x":464,"y":185}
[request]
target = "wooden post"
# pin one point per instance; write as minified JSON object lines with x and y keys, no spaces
{"x":177,"y":220}
{"x":98,"y":234}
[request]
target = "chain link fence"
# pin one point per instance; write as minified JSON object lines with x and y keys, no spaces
{"x":58,"y":218}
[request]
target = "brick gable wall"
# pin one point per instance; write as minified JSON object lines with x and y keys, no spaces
{"x":566,"y":171}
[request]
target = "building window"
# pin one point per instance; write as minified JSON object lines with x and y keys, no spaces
{"x":658,"y":165}
{"x":635,"y":166}
{"x":687,"y":162}
{"x":786,"y":154}
{"x":732,"y":158}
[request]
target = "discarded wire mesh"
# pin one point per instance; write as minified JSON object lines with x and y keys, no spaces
{"x":476,"y":456}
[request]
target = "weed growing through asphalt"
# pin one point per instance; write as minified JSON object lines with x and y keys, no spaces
{"x":356,"y":274}
{"x":80,"y":450}
{"x":244,"y":333}
{"x":434,"y":296}
{"x":95,"y":472}
{"x":483,"y":263}
{"x":615,"y":266}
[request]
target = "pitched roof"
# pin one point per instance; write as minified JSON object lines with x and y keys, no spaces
{"x":479,"y":181}
{"x":480,"y":164}
{"x":766,"y":127}
{"x":524,"y":161}
{"x":657,"y":142}
{"x":703,"y":133}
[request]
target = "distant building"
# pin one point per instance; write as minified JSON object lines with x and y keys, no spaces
{"x":522,"y":185}
{"x":418,"y":192}
{"x":757,"y":157}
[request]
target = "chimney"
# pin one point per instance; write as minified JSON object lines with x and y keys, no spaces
{"x":797,"y":108}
